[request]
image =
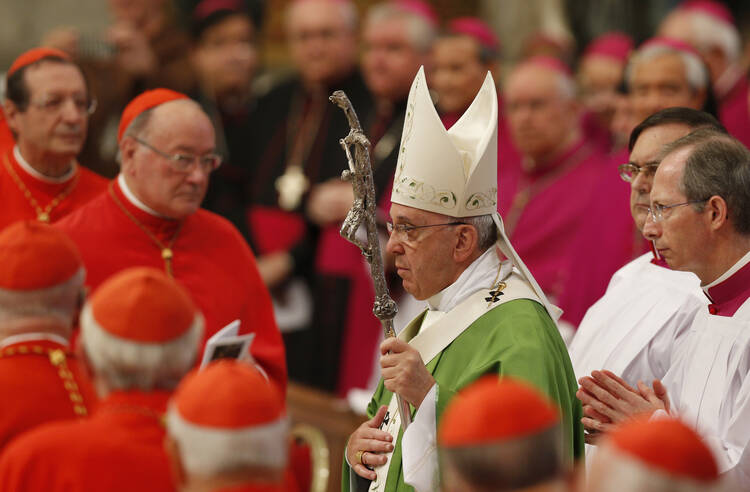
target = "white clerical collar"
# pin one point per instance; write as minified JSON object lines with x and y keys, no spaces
{"x":134,"y":199}
{"x":32,"y":337}
{"x":735,"y":268}
{"x":479,"y":275}
{"x":23,"y":163}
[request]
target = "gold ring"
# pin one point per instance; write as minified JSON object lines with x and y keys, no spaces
{"x":359,"y":457}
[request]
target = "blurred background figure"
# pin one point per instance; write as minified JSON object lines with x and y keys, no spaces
{"x":653,"y":456}
{"x":235,"y":440}
{"x":142,"y":48}
{"x":600,"y":76}
{"x":41,"y":287}
{"x":140,"y":334}
{"x":225,"y":59}
{"x":546,"y":201}
{"x":502,"y":434}
{"x":47,"y":106}
{"x":710,"y":28}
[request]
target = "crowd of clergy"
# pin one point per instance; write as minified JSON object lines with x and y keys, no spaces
{"x":568,"y":245}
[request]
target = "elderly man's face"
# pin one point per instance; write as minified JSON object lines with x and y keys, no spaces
{"x":659,"y":83}
{"x":55,"y":121}
{"x":424,"y":259}
{"x":645,"y":154}
{"x":541,"y":118}
{"x":457,"y":72}
{"x":598,"y":79}
{"x":176,"y":127}
{"x":389,"y":60}
{"x":681,"y":237}
{"x":225,"y":57}
{"x":322,"y":44}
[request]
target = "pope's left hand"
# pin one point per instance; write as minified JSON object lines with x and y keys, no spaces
{"x":605,"y":394}
{"x":404,"y":372}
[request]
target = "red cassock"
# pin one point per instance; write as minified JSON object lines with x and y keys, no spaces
{"x":41,"y":381}
{"x":6,"y":137}
{"x":543,"y":211}
{"x":734,"y":112}
{"x":16,"y":183}
{"x":210,"y":259}
{"x":120,"y":448}
{"x":255,"y":488}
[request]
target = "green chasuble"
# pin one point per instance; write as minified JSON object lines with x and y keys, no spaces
{"x":516,"y":338}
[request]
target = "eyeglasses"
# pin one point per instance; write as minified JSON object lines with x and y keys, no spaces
{"x":184,"y":162}
{"x":405,"y":232}
{"x":54,"y":104}
{"x":656,"y":211}
{"x":629,"y":171}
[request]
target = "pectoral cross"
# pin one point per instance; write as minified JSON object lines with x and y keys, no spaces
{"x":291,"y":186}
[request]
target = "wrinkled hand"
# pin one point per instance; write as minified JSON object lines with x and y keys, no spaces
{"x":608,"y":400}
{"x":134,"y":54}
{"x":369,"y":438}
{"x":404,"y":372}
{"x":274,"y":268}
{"x":330,"y":202}
{"x":63,"y":38}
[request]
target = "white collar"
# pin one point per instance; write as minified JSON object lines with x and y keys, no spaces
{"x":36,"y":174}
{"x":29,"y":337}
{"x":735,"y":268}
{"x":479,"y":275}
{"x":134,"y":199}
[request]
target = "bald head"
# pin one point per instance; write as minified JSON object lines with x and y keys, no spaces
{"x":322,"y":39}
{"x":542,"y":111}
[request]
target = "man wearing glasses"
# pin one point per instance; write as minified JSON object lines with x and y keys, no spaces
{"x":485,"y":316}
{"x":636,"y":325}
{"x":151,"y":216}
{"x":699,"y":221}
{"x":47,"y":108}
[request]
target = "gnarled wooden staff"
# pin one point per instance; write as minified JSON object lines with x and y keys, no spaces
{"x":363,"y":211}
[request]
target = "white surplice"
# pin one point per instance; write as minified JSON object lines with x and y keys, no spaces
{"x":633,"y":329}
{"x":708,"y":380}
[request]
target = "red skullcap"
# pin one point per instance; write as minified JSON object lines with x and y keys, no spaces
{"x":493,"y":410}
{"x":33,"y":56}
{"x":668,"y":445}
{"x":147,"y":100}
{"x":614,"y":45}
{"x":228,"y":395}
{"x":476,"y":29}
{"x":208,"y":7}
{"x":716,"y":10}
{"x":419,"y":8}
{"x":674,"y":44}
{"x":549,"y":62}
{"x":36,"y":256}
{"x":143,"y":305}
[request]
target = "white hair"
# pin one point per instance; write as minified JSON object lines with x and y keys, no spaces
{"x":347,"y":9}
{"x":707,"y":31}
{"x":420,"y":31}
{"x":124,"y":364}
{"x":625,"y":474}
{"x":59,"y":301}
{"x":210,"y":452}
{"x":695,"y":70}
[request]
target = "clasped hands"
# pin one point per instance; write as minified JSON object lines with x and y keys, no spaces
{"x":403,"y":373}
{"x":608,"y":400}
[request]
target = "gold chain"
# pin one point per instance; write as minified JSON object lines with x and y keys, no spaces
{"x":58,"y":359}
{"x":42,"y":214}
{"x":166,"y":250}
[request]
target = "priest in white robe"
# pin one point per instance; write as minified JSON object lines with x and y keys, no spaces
{"x":699,"y":220}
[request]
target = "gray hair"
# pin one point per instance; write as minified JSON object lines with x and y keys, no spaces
{"x":421,"y":32}
{"x":515,"y":464}
{"x":124,"y":364}
{"x":718,"y":165}
{"x":348,"y":12}
{"x":485,"y":227}
{"x":59,"y":301}
{"x":695,"y":70}
{"x":707,"y":32}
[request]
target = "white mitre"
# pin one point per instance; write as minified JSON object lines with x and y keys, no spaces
{"x":454,"y":172}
